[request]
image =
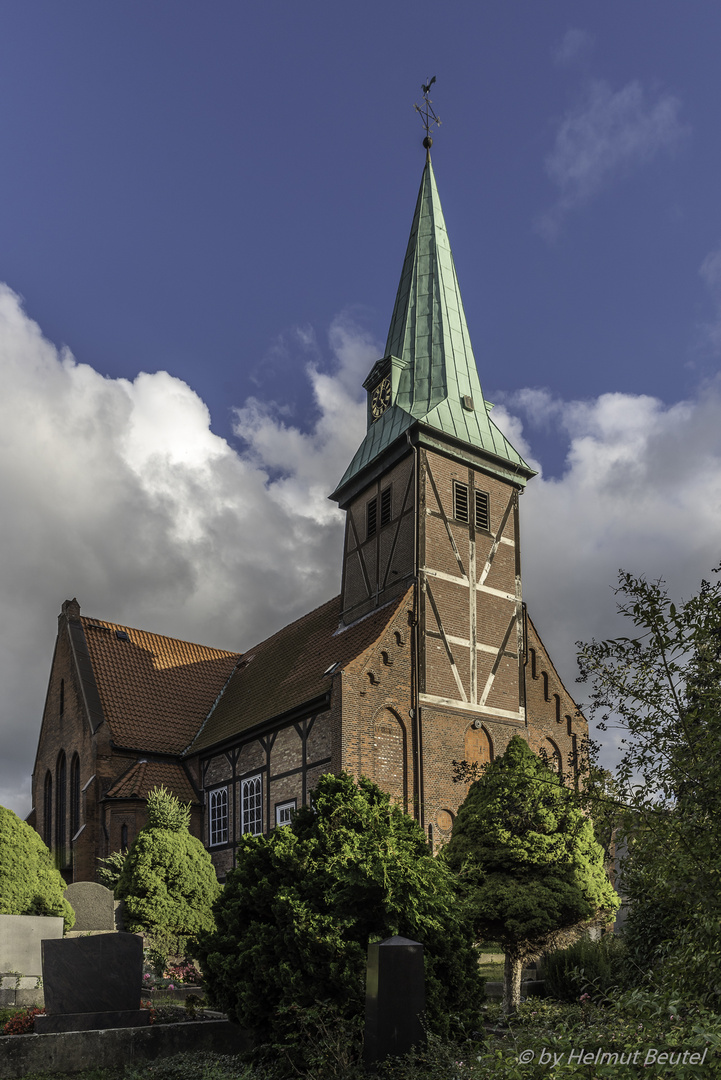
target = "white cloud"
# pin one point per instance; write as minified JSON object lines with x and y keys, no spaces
{"x":118,"y":492}
{"x":574,"y":46}
{"x":607,"y":135}
{"x":641,"y":490}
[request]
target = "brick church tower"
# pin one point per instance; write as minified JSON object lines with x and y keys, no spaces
{"x":431,"y":499}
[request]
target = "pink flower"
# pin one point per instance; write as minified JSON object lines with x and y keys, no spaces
{"x":171,"y":987}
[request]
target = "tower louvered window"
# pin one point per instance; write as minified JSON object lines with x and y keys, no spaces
{"x":371,"y":517}
{"x":460,"y":501}
{"x":251,"y":797}
{"x":385,"y":506}
{"x":482,"y":517}
{"x":219,"y":816}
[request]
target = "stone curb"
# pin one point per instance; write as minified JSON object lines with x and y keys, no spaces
{"x":73,"y":1051}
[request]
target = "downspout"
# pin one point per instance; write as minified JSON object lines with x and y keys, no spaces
{"x":415,"y":646}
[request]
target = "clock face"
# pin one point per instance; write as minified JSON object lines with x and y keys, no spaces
{"x":381,"y":398}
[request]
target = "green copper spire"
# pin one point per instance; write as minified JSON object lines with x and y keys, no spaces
{"x":428,"y":356}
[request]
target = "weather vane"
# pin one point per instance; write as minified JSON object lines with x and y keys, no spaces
{"x":428,"y":115}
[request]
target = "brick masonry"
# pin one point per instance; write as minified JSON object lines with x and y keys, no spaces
{"x":456,"y":671}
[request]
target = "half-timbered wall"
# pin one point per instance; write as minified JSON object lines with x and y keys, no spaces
{"x":289,"y":761}
{"x":471,"y":619}
{"x":377,"y":567}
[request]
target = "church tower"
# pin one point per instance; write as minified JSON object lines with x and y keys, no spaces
{"x":431,"y":501}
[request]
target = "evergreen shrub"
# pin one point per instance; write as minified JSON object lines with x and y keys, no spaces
{"x":168,"y":881}
{"x":297,"y":914}
{"x":29,"y":882}
{"x":586,"y":967}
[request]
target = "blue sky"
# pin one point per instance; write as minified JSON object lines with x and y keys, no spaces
{"x":222,"y":193}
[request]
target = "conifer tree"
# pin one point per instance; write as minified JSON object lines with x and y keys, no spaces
{"x":529,"y":865}
{"x":168,"y":881}
{"x":29,"y":882}
{"x":297,"y":914}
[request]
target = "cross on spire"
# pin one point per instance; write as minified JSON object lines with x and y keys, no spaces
{"x":428,"y":115}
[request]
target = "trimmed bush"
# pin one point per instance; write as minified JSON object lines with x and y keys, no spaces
{"x":296,"y":917}
{"x":29,"y":882}
{"x":167,"y":882}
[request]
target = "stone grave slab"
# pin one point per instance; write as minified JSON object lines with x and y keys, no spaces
{"x":94,"y":907}
{"x":92,"y":983}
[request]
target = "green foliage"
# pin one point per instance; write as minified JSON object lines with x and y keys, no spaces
{"x":526,"y":853}
{"x":585,"y":967}
{"x":168,"y":882}
{"x":296,"y":916}
{"x":662,"y":686}
{"x":527,"y":859}
{"x":165,"y":811}
{"x":29,"y":882}
{"x":198,"y":1066}
{"x":109,"y":870}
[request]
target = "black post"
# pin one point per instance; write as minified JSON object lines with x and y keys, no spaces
{"x":395,"y":998}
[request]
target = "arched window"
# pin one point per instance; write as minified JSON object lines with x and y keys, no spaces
{"x":534,"y":673}
{"x":544,"y":674}
{"x":477,"y":745}
{"x":218,"y":805}
{"x":251,"y":805}
{"x":389,"y":757}
{"x":48,"y":809}
{"x":124,"y":838}
{"x":62,"y":696}
{"x":74,"y":796}
{"x":555,"y":760}
{"x":60,"y":808}
{"x":557,"y":699}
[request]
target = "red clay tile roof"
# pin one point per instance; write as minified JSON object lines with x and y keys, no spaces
{"x":143,"y":776}
{"x":155,"y":691}
{"x":288,"y":669}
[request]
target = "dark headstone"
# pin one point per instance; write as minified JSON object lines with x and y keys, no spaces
{"x":395,"y":998}
{"x":93,"y":904}
{"x":98,"y":974}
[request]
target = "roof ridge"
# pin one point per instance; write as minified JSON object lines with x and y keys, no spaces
{"x":283,"y":629}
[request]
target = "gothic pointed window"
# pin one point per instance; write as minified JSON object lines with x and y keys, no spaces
{"x":218,"y":807}
{"x":124,"y":838}
{"x":251,"y":805}
{"x":389,"y":757}
{"x":74,"y":796}
{"x":60,"y":809}
{"x":477,"y":746}
{"x":553,"y":755}
{"x":48,"y":809}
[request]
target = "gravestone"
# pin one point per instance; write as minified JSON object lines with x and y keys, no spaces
{"x":94,"y":907}
{"x":395,"y":999}
{"x":92,"y":982}
{"x":20,"y":955}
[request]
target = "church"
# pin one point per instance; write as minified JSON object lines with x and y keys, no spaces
{"x":427,"y":656}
